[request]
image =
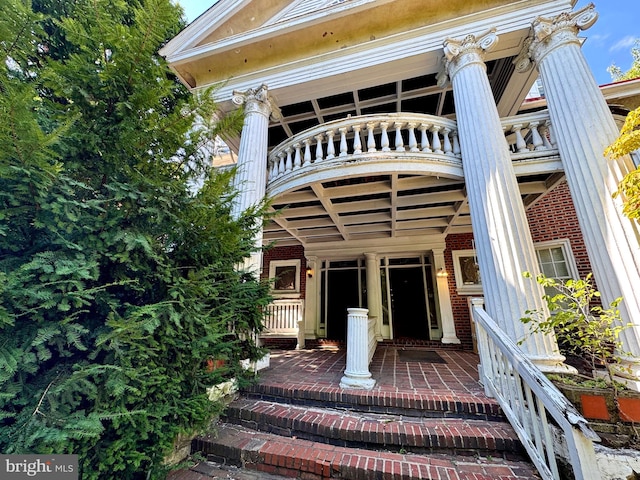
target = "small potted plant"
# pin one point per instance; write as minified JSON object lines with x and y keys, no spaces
{"x":587,"y":329}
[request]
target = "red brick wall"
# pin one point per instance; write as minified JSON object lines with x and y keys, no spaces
{"x":459,"y":303}
{"x":287,"y":253}
{"x":554,"y":217}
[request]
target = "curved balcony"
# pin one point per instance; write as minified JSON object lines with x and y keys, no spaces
{"x":400,"y":143}
{"x":391,"y":178}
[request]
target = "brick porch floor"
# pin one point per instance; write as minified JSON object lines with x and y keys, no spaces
{"x":323,"y":369}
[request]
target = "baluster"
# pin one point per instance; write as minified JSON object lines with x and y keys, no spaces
{"x":281,"y":163}
{"x":384,"y":142}
{"x":272,"y":167}
{"x":319,"y":152}
{"x":371,"y":140}
{"x":413,"y":143}
{"x":307,"y":152}
{"x":456,"y":143}
{"x":331,"y":148}
{"x":546,"y":135}
{"x":289,"y":164}
{"x":297,"y":161}
{"x":447,"y":142}
{"x":437,"y":146}
{"x":344,"y":149}
{"x":399,"y":140}
{"x":521,"y":146}
{"x":424,"y":138}
{"x":357,"y":141}
{"x":536,"y":139}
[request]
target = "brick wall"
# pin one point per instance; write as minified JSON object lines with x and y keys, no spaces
{"x":459,"y":303}
{"x":287,"y":253}
{"x":554,"y":217}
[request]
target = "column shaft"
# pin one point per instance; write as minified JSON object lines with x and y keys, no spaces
{"x":374,"y":297}
{"x":503,"y":240}
{"x":446,"y":312}
{"x":251,"y":174}
{"x":583,"y":128}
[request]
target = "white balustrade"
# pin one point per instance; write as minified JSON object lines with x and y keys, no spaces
{"x":282,"y":317}
{"x":368,"y":136}
{"x":526,"y":396}
{"x":528,"y":133}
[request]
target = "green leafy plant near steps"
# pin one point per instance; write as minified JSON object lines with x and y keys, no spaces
{"x":117,"y":282}
{"x":580,"y":322}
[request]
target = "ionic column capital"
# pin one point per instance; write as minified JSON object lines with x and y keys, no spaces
{"x":471,"y":49}
{"x":257,"y":100}
{"x":550,"y":33}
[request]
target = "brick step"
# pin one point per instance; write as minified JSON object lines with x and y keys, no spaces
{"x":298,"y":458}
{"x":376,"y":431}
{"x":387,"y":402}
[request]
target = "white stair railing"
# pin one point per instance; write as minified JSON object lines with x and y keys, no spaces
{"x":526,"y":396}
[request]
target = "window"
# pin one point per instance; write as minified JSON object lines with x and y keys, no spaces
{"x":556,"y":260}
{"x":467,"y":273}
{"x":285,"y":275}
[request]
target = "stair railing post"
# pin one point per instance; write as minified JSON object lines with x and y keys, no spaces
{"x":356,"y":373}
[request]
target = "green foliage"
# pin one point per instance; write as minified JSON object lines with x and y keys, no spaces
{"x":580,"y":321}
{"x":628,"y":141}
{"x":117,"y":282}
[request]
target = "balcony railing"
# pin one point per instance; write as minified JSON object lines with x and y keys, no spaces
{"x":399,"y":135}
{"x":366,"y":136}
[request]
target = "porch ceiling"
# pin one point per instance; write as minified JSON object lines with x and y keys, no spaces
{"x":380,"y":208}
{"x":419,"y":94}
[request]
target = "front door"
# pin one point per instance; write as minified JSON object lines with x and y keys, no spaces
{"x":342,"y":293}
{"x":408,"y":303}
{"x":408,"y":298}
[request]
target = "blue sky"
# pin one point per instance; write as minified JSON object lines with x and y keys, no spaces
{"x":608,"y":41}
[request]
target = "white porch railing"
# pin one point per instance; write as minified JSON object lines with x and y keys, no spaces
{"x":282,"y":317}
{"x":529,"y":135}
{"x":526,"y":396}
{"x":401,"y":135}
{"x":366,"y":135}
{"x":373,"y":341}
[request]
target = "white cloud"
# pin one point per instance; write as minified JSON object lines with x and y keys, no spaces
{"x":624,"y":44}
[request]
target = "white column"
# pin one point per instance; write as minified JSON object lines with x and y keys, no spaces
{"x":374,"y":297}
{"x":583,"y":128}
{"x":310,"y":301}
{"x":251,"y":176}
{"x":446,"y":312}
{"x":356,"y":373}
{"x":500,"y":228}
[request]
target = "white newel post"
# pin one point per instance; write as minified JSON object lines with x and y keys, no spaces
{"x":356,"y":373}
{"x":374,"y":295}
{"x":583,"y":127}
{"x":503,"y":239}
{"x":446,"y":312}
{"x":251,"y":176}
